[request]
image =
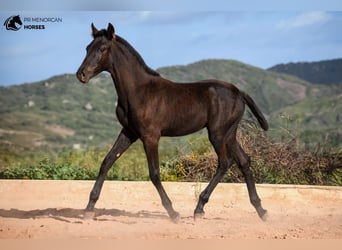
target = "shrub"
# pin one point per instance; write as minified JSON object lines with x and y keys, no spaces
{"x":275,"y":162}
{"x":272,"y":162}
{"x":48,"y":170}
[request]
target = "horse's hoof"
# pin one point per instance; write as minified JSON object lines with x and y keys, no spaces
{"x":263,"y":214}
{"x":198,"y":216}
{"x":89,"y":215}
{"x":175,"y":217}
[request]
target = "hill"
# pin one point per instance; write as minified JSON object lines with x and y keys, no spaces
{"x":312,"y":111}
{"x":270,"y":90}
{"x":316,"y":120}
{"x":59,"y":114}
{"x":322,"y":72}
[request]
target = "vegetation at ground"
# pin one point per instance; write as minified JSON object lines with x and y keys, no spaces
{"x":272,"y":162}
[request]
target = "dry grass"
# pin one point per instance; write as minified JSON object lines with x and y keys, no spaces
{"x":272,"y":162}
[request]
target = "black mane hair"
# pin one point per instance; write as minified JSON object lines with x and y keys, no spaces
{"x":119,"y":39}
{"x":137,"y":55}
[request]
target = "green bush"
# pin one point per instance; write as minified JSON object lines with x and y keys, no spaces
{"x":47,"y":170}
{"x":81,"y":165}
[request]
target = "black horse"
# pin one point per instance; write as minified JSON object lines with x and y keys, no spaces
{"x":150,"y":106}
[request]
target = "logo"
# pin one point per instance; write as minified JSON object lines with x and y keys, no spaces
{"x":13,"y":23}
{"x":30,"y":22}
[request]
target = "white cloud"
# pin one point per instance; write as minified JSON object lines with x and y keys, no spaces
{"x":304,"y":20}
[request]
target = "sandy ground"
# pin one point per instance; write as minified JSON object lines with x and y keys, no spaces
{"x":132,"y":210}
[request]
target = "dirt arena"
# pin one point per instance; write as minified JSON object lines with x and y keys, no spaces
{"x":132,"y":210}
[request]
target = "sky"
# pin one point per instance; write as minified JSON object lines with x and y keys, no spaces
{"x":166,"y":35}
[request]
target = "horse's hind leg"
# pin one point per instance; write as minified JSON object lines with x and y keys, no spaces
{"x":243,"y":161}
{"x":204,"y":196}
{"x":225,"y":160}
{"x":123,"y":142}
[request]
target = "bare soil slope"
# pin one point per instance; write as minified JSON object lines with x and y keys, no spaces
{"x":132,"y":210}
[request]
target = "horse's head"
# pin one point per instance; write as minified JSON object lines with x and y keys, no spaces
{"x":98,"y":54}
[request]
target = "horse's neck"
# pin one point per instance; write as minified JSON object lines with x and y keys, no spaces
{"x":128,"y":74}
{"x":129,"y":78}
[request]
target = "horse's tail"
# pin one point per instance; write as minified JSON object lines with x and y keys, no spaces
{"x":255,"y":110}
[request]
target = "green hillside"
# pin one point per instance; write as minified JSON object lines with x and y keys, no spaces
{"x":270,"y":90}
{"x":312,"y":111}
{"x":60,"y":113}
{"x":322,"y":72}
{"x":316,"y":119}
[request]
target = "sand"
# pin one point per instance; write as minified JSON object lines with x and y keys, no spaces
{"x":132,"y":210}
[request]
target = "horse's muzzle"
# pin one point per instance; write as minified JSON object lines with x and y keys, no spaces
{"x":82,"y":76}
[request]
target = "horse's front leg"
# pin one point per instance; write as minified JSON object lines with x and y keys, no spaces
{"x":151,"y":149}
{"x":124,"y":140}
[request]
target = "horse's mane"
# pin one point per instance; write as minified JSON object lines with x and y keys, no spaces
{"x":135,"y":53}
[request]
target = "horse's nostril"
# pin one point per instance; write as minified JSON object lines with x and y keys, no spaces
{"x":80,"y":74}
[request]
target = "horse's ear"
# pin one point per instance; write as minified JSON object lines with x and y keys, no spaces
{"x":111,"y":31}
{"x":93,"y":29}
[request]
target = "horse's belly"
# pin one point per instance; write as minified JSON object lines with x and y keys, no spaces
{"x":183,"y":127}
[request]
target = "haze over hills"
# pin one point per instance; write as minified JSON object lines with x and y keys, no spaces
{"x":60,"y":113}
{"x":322,"y":72}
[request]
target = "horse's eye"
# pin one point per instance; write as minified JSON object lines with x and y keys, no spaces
{"x":103,"y":48}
